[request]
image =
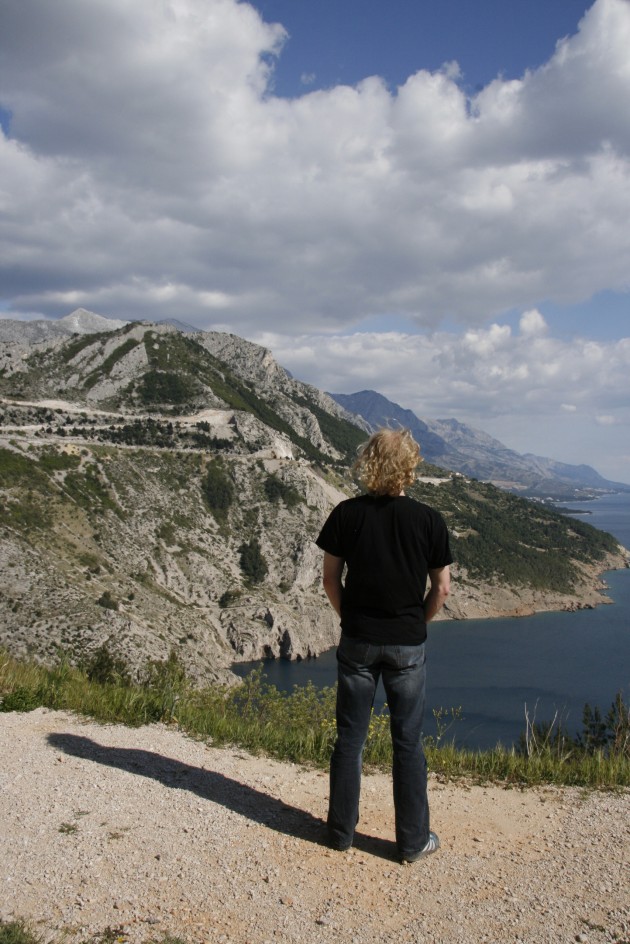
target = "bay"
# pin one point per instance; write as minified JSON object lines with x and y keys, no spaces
{"x":549,"y":664}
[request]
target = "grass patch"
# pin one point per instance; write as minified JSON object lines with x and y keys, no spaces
{"x":300,"y":726}
{"x":89,"y":490}
{"x":51,"y":460}
{"x":19,"y":932}
{"x":18,"y":471}
{"x":16,"y":932}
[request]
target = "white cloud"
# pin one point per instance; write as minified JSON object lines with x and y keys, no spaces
{"x":488,"y":342}
{"x":500,"y":372}
{"x":532,"y":324}
{"x":148,"y":151}
{"x":540,"y":394}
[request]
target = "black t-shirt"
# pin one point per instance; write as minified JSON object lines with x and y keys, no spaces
{"x":389,"y":544}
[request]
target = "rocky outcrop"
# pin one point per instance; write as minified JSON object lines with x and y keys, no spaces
{"x":290,"y":398}
{"x":132,"y":527}
{"x":484,"y":600}
{"x":123,"y":549}
{"x":279,"y":631}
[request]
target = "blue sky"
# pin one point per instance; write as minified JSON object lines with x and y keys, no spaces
{"x":426,"y":197}
{"x":335,"y":42}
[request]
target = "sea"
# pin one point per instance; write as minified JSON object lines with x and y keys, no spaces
{"x":498,"y":672}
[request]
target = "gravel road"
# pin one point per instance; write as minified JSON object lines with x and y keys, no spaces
{"x":149,"y":832}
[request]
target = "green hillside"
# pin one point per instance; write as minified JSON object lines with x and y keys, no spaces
{"x":176,"y":375}
{"x":161,"y":500}
{"x":498,"y":536}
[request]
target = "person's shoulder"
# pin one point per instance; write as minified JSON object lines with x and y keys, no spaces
{"x":421,"y":509}
{"x":347,"y":505}
{"x":415,"y":503}
{"x":351,"y":502}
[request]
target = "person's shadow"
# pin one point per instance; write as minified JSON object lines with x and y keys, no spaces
{"x":209,"y":785}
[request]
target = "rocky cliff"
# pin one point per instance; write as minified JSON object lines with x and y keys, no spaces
{"x":161,"y":490}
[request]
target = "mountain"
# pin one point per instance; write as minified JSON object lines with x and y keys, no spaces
{"x":45,"y":331}
{"x":180,"y":325}
{"x":376,"y":410}
{"x":144,"y":366}
{"x":453,"y":445}
{"x":161,"y":491}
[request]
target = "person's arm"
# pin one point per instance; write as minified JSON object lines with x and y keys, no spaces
{"x":440,"y":580}
{"x":333,"y":569}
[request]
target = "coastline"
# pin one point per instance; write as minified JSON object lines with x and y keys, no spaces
{"x":474,"y":600}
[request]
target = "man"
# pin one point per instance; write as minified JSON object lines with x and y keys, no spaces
{"x":391,"y":545}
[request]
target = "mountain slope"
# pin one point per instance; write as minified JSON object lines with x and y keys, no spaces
{"x":162,"y":491}
{"x":141,"y":548}
{"x":144,"y":367}
{"x":46,"y":331}
{"x":378,"y":411}
{"x":210,"y":551}
{"x":453,"y":445}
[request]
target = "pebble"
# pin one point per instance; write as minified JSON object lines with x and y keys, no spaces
{"x":199,"y":862}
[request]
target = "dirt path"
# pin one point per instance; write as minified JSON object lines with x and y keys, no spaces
{"x":149,"y":832}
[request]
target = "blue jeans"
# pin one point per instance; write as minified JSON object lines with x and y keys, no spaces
{"x":359,"y":667}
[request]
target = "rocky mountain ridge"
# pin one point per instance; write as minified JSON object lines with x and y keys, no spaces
{"x":145,"y":366}
{"x":447,"y":442}
{"x":162,"y":491}
{"x":461,"y":448}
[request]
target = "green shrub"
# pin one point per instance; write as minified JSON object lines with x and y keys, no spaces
{"x":277,"y":490}
{"x":20,"y":699}
{"x":107,"y":601}
{"x":165,"y":685}
{"x":105,"y":668}
{"x":228,"y":598}
{"x":166,"y":387}
{"x":218,"y":489}
{"x":252,"y":561}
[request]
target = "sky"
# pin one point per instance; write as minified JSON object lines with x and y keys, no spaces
{"x":429,"y":198}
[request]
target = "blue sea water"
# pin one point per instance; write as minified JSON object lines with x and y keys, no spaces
{"x":497,"y":669}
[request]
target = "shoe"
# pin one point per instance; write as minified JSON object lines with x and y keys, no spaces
{"x":338,"y":846}
{"x":334,"y":842}
{"x":432,"y":845}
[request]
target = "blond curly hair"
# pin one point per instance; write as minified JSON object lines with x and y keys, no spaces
{"x":387,"y":462}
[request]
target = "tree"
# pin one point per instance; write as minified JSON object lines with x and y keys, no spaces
{"x":253,"y":563}
{"x":218,"y":489}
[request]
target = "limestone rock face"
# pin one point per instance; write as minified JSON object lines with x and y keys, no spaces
{"x":290,"y":397}
{"x":128,"y":553}
{"x":288,"y":632}
{"x":162,"y":490}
